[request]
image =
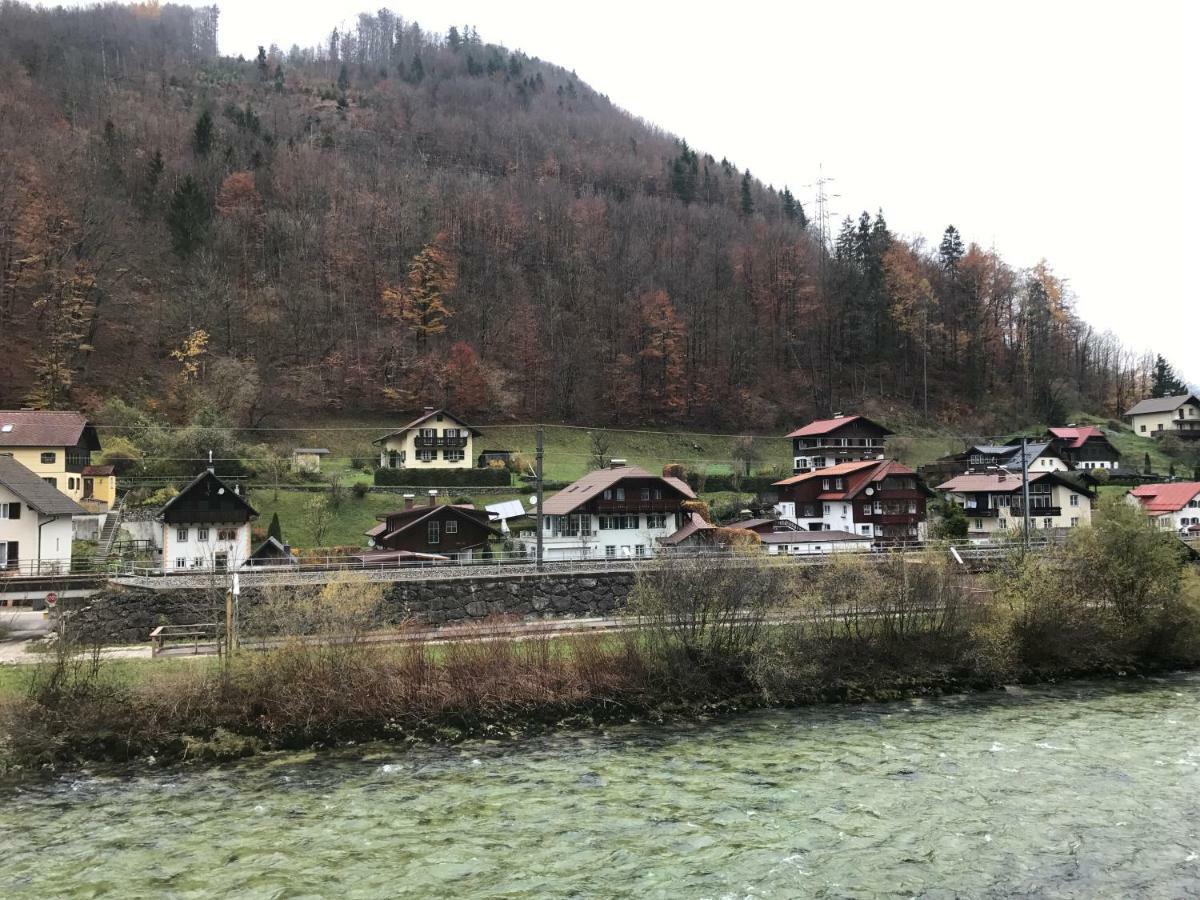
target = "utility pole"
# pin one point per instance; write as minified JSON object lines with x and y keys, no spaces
{"x":1025,"y":488}
{"x":541,"y":452}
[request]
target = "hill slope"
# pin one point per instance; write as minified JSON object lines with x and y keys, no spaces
{"x":398,"y":218}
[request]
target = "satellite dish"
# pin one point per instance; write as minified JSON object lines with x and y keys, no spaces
{"x":220,"y":490}
{"x":869,"y":491}
{"x":370,"y":542}
{"x":533,"y":501}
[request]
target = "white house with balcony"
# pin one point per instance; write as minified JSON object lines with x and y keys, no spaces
{"x":437,"y":439}
{"x":1158,"y":416}
{"x":994,"y":503}
{"x":617,"y":512}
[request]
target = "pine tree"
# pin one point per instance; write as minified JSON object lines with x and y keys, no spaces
{"x":1165,"y":383}
{"x":747,"y":197}
{"x":188,"y":217}
{"x":261,"y":62}
{"x":343,"y":81}
{"x":951,"y":249}
{"x":416,"y":72}
{"x":452,"y":39}
{"x":202,"y":134}
{"x":1148,"y":469}
{"x":275,"y":530}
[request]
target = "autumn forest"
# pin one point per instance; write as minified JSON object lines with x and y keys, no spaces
{"x":398,"y":217}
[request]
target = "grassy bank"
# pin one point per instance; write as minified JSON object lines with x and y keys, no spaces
{"x":1116,"y":599}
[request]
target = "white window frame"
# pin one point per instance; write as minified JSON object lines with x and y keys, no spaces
{"x":433,"y":532}
{"x":451,"y":527}
{"x":202,"y":533}
{"x":181,"y":534}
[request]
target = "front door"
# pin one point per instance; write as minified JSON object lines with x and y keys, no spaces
{"x":89,"y":485}
{"x":221,"y":561}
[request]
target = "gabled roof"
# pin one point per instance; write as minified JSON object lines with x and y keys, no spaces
{"x":428,"y":414}
{"x":751,"y":524}
{"x":803,"y":536}
{"x":272,"y":549}
{"x":34,"y":492}
{"x":1076,"y":437}
{"x":200,"y":479}
{"x":1166,"y":498}
{"x":826,"y":426}
{"x":694,"y":525}
{"x":594,"y":483}
{"x":840,"y":469}
{"x":858,"y":475}
{"x":411,"y":517}
{"x":995,"y":483}
{"x":1161,"y":404}
{"x":45,"y":428}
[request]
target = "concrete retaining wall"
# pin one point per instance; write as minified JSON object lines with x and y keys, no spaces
{"x":128,"y":615}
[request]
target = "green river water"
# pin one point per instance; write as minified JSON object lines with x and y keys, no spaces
{"x":1086,"y":790}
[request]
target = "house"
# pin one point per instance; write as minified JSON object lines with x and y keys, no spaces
{"x":205,"y":526}
{"x":827,"y":442}
{"x":994,"y":502}
{"x":617,"y":511}
{"x":436,"y":439}
{"x":1084,"y":447}
{"x":879,"y":499}
{"x":785,"y":537}
{"x":1043,"y":456}
{"x":271,"y":554}
{"x":447,"y":530}
{"x":308,"y":459}
{"x":57,"y":446}
{"x":1173,"y":507}
{"x":1167,"y":415}
{"x":35,"y":522}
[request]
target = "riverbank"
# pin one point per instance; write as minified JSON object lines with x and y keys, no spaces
{"x":1117,"y":600}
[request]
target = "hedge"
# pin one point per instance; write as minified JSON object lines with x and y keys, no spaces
{"x":747,"y":484}
{"x":442,"y":478}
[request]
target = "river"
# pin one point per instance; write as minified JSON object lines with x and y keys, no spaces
{"x":1085,"y":790}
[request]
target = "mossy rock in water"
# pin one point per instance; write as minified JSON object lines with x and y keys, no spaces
{"x":221,"y":746}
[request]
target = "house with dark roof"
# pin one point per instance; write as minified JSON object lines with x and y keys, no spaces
{"x":1084,"y":447}
{"x":827,"y":442}
{"x":206,"y":526}
{"x":436,"y":439}
{"x":446,"y":530}
{"x":879,"y":499}
{"x":57,"y":446}
{"x":1042,"y":456}
{"x":994,"y":502}
{"x":272,"y":554}
{"x":1179,"y":415}
{"x":1173,"y":506}
{"x":35,"y":522}
{"x":615,"y":512}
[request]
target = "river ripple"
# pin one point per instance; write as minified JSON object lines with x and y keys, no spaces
{"x":1089,"y":790}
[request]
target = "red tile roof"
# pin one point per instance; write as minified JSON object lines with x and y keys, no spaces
{"x":42,"y":428}
{"x":1077,"y":436}
{"x":1165,"y":498}
{"x":825,"y":426}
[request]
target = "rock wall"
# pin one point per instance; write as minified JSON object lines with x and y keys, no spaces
{"x":127,"y":615}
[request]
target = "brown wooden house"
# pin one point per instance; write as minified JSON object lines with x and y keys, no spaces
{"x":447,"y":529}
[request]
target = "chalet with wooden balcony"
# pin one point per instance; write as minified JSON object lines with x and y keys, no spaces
{"x":1084,"y":447}
{"x":445,"y":530}
{"x":827,"y":442}
{"x":1042,"y":457}
{"x":879,"y":499}
{"x":1179,"y":415}
{"x":437,"y":439}
{"x":994,"y":502}
{"x":619,"y":511}
{"x":57,"y":446}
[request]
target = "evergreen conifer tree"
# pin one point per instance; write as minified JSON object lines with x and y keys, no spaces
{"x":1165,"y":383}
{"x":343,"y":81}
{"x":275,"y":530}
{"x":747,"y":197}
{"x":202,"y":134}
{"x":188,"y":217}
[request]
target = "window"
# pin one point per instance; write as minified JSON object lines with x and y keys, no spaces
{"x":426,"y":455}
{"x":607,"y":496}
{"x":198,"y":562}
{"x":53,"y":482}
{"x":435,"y":533}
{"x":428,"y":434}
{"x":10,"y":510}
{"x":828,"y":509}
{"x":1143,"y":429}
{"x":1003,"y":524}
{"x":455,"y":455}
{"x":658,"y":493}
{"x":656,"y":520}
{"x":838,"y":484}
{"x":865,"y":529}
{"x":610,"y":551}
{"x":180,"y":562}
{"x":451,"y":527}
{"x":181,"y":535}
{"x":620,"y":493}
{"x":70,"y":484}
{"x":451,"y":433}
{"x":826,"y":484}
{"x":645,"y":493}
{"x":202,"y":534}
{"x":1047,"y":523}
{"x":48,"y":459}
{"x":979,"y":524}
{"x":227,"y":534}
{"x":1074,"y":521}
{"x":1074,"y":499}
{"x":639,"y":550}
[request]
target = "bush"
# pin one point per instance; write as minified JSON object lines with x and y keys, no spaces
{"x":442,"y":478}
{"x":360,"y":489}
{"x":750,"y":484}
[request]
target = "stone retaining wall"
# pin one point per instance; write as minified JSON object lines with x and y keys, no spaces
{"x":127,"y":615}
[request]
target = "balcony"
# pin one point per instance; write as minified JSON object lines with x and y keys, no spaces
{"x":897,"y":519}
{"x":422,"y":443}
{"x":634,"y":506}
{"x":1035,"y":512}
{"x":985,"y":512}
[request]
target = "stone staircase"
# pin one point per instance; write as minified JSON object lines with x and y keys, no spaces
{"x":108,"y":535}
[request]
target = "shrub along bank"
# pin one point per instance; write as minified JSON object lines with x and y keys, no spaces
{"x":1115,"y":599}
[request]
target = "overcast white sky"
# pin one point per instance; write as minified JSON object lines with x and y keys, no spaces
{"x":1063,"y":129}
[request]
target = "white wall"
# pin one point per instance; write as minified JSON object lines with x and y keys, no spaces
{"x":55,"y":535}
{"x":201,"y":552}
{"x":624,"y":541}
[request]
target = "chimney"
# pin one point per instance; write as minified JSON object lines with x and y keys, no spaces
{"x":838,"y":415}
{"x":408,"y":501}
{"x":433,"y":498}
{"x":616,"y":463}
{"x":429,"y":409}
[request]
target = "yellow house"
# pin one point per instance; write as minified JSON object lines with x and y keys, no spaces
{"x":436,"y":439}
{"x":57,"y":447}
{"x":994,"y":503}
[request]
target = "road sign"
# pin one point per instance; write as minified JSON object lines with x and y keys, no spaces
{"x":51,"y":599}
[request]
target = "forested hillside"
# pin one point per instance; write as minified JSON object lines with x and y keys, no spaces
{"x":398,"y":217}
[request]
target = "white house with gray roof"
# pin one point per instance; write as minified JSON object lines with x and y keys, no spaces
{"x":35,"y":522}
{"x":1157,"y":416}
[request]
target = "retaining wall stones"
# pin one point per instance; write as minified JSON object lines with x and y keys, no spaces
{"x":119,"y":615}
